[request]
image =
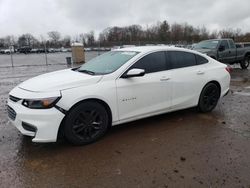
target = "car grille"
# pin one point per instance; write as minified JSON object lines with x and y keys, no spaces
{"x":14,"y":99}
{"x":11,"y":113}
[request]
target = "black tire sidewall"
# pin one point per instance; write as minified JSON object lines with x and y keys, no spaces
{"x":201,"y":105}
{"x":243,"y":63}
{"x":70,"y":136}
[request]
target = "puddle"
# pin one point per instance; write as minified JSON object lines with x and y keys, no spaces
{"x":247,"y":94}
{"x":239,"y":79}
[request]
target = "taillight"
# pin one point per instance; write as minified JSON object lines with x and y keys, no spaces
{"x":229,"y":69}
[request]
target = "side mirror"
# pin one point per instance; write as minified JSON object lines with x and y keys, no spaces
{"x":134,"y":73}
{"x":221,"y":48}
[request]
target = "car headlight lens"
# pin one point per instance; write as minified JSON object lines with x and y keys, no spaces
{"x":40,"y":103}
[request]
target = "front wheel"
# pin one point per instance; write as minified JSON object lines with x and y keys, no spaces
{"x":245,"y":63}
{"x":209,"y":98}
{"x":86,"y":123}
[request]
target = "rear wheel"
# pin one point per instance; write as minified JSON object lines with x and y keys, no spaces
{"x":86,"y":123}
{"x":245,"y":63}
{"x":209,"y":97}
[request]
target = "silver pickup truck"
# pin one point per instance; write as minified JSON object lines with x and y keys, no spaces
{"x":225,"y":51}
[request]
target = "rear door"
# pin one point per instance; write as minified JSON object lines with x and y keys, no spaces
{"x":188,"y":78}
{"x":232,"y":52}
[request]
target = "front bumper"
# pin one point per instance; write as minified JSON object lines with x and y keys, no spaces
{"x":45,"y":122}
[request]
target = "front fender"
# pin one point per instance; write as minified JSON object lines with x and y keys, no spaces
{"x":97,"y":91}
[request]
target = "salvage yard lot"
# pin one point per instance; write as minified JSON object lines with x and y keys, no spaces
{"x":180,"y":149}
{"x":39,"y":59}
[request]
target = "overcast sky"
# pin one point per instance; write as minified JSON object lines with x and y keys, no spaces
{"x":79,"y":16}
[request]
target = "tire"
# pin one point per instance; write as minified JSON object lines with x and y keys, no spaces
{"x":209,"y":98}
{"x":245,"y":63}
{"x":86,"y":123}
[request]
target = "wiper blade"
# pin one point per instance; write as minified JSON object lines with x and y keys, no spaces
{"x":86,"y":71}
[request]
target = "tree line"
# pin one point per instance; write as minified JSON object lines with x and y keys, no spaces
{"x":160,"y":33}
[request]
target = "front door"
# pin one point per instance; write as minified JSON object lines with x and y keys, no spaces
{"x":225,"y":55}
{"x":151,"y":93}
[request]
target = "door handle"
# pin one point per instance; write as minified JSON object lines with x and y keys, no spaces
{"x":200,"y":72}
{"x":164,"y":79}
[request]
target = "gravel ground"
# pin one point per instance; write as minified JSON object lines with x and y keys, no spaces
{"x":180,"y":149}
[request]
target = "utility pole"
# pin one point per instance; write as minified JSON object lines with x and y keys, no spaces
{"x":45,"y":52}
{"x":45,"y":49}
{"x":99,"y":46}
{"x":11,"y":55}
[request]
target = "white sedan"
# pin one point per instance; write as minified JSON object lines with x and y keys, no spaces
{"x":117,"y":87}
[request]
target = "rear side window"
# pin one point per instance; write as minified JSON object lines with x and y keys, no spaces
{"x":231,"y":44}
{"x":201,"y":60}
{"x":239,"y":46}
{"x":182,"y":59}
{"x":153,"y":62}
{"x":247,"y":45}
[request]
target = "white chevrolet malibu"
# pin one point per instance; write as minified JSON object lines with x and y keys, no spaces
{"x":117,"y":87}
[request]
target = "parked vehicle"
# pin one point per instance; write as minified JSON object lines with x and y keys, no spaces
{"x":7,"y":51}
{"x":117,"y":87}
{"x":25,"y":50}
{"x":34,"y":50}
{"x":116,"y":47}
{"x":51,"y":50}
{"x":42,"y":50}
{"x":65,"y":49}
{"x":57,"y":50}
{"x":87,"y":49}
{"x":225,"y":51}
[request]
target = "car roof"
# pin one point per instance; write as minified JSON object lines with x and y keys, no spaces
{"x":146,"y":49}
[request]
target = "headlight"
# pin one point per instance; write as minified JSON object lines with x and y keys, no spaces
{"x":40,"y":103}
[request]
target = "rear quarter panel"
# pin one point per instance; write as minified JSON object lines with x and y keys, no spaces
{"x":216,"y":71}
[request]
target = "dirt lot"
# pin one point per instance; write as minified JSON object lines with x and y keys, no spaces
{"x":181,"y":149}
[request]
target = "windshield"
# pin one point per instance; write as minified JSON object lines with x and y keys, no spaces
{"x":208,"y":44}
{"x":107,"y":62}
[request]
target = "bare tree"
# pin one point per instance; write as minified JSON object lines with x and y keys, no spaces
{"x":164,"y":31}
{"x":90,"y":38}
{"x":66,"y":41}
{"x":226,"y":33}
{"x":214,"y":34}
{"x":55,"y":37}
{"x":27,"y":40}
{"x":161,"y":32}
{"x":82,"y":39}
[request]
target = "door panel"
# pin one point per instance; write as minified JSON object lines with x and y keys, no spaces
{"x":232,"y":55}
{"x":144,"y":95}
{"x":187,"y":84}
{"x":188,"y":77}
{"x":228,"y":54}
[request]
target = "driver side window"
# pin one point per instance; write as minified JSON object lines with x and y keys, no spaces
{"x":225,"y":44}
{"x":154,"y":62}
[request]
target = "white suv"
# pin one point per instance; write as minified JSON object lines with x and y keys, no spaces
{"x":119,"y":86}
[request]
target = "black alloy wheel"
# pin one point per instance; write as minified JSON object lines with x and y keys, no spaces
{"x":245,"y":63}
{"x":86,"y":123}
{"x":209,"y":97}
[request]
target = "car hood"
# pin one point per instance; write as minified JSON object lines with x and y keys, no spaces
{"x":59,"y":80}
{"x":204,"y":51}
